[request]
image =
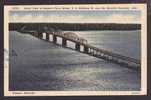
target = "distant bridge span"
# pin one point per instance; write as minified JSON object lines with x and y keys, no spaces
{"x":87,"y":48}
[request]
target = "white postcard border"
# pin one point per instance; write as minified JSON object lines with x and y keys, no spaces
{"x":142,"y":7}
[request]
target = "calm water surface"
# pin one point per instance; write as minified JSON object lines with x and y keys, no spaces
{"x":38,"y":65}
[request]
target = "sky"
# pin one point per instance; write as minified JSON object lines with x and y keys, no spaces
{"x":114,"y":16}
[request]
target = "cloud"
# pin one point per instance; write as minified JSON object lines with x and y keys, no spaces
{"x":112,"y":18}
{"x":122,"y":18}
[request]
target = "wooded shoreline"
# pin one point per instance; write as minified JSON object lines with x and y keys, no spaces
{"x":77,"y":26}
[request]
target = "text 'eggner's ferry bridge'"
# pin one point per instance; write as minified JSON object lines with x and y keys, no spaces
{"x":81,"y":43}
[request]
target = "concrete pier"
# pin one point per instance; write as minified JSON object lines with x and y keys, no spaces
{"x":64,"y":42}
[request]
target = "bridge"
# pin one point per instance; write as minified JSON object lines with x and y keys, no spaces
{"x":82,"y":43}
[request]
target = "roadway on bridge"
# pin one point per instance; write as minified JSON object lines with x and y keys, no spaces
{"x":38,"y":65}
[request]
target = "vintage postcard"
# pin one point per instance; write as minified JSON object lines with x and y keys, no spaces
{"x":75,"y":50}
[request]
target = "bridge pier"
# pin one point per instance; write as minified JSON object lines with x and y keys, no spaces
{"x":77,"y":46}
{"x":86,"y":49}
{"x":64,"y":42}
{"x":54,"y":39}
{"x":90,"y":50}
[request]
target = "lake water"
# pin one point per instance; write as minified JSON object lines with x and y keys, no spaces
{"x":38,"y":65}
